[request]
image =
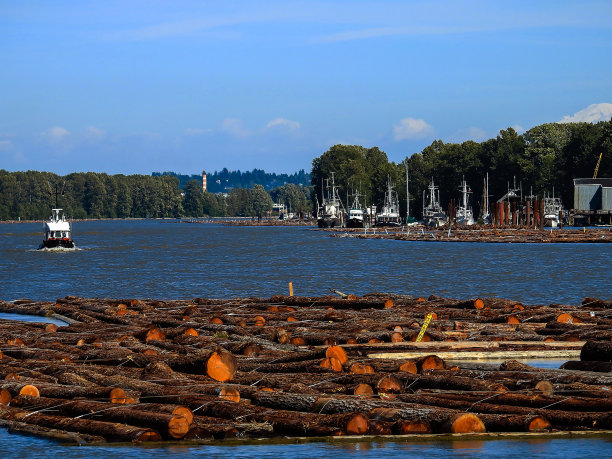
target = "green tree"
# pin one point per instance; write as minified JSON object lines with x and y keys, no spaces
{"x":262,"y":202}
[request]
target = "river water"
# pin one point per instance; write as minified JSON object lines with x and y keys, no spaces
{"x":169,"y":259}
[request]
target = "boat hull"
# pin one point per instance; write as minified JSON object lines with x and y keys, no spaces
{"x":354,"y":223}
{"x":328,"y":222}
{"x":57,"y":243}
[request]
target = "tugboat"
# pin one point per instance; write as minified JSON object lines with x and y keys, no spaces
{"x":465,"y":216}
{"x":389,"y":215}
{"x":433,"y":215}
{"x":329,"y":214}
{"x":58,"y":232}
{"x":355,"y":214}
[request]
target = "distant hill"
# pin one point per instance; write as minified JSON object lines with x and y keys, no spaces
{"x":224,"y":180}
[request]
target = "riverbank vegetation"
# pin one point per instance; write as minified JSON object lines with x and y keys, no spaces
{"x":543,"y":159}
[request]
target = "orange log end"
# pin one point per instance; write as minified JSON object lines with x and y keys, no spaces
{"x":272,"y":308}
{"x":185,"y":412}
{"x":29,"y":390}
{"x":538,"y":424}
{"x":259,"y":321}
{"x":351,"y":341}
{"x":361,"y":369}
{"x":51,"y":328}
{"x":374,"y":341}
{"x":357,"y":425}
{"x":389,"y":303}
{"x":155,"y":334}
{"x":478,"y":303}
{"x":397,"y":337}
{"x":332,"y":363}
{"x":361,"y":389}
{"x":178,"y":427}
{"x":221,"y":365}
{"x":190,"y":332}
{"x":230,"y":394}
{"x":5,"y":397}
{"x":409,"y":367}
{"x":414,"y":427}
{"x":117,"y":395}
{"x":565,"y":318}
{"x":466,"y":423}
{"x":298,"y":341}
{"x":337,"y":352}
{"x":216,"y":320}
{"x":291,"y":319}
{"x":513,"y":320}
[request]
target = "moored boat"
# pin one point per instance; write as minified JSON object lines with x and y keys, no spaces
{"x":58,"y":232}
{"x":464,"y":216}
{"x":389,"y":215}
{"x":433,"y":215}
{"x":355,"y":214}
{"x":329,"y":213}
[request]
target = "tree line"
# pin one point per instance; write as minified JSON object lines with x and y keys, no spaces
{"x":31,"y":195}
{"x":225,"y":180}
{"x":543,"y":159}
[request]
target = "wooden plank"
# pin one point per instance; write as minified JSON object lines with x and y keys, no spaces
{"x":462,"y":344}
{"x":474,"y":355}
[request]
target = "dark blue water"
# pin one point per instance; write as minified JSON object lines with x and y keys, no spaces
{"x":170,"y":260}
{"x":165,"y":259}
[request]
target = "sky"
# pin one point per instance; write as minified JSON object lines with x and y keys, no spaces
{"x":132,"y":87}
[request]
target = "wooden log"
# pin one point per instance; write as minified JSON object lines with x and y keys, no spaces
{"x":221,"y":365}
{"x":112,"y":431}
{"x":464,"y":423}
{"x":170,"y":425}
{"x":62,"y":436}
{"x":585,"y":365}
{"x":598,"y":351}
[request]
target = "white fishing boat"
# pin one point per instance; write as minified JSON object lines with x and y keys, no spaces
{"x":433,"y":215}
{"x":389,"y":215}
{"x":355,"y":214}
{"x":464,"y":216}
{"x":58,"y":232}
{"x":553,"y":211}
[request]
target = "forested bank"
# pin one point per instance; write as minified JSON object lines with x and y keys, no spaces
{"x":30,"y":196}
{"x":543,"y":159}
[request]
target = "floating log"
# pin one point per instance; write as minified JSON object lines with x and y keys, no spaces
{"x":598,"y":351}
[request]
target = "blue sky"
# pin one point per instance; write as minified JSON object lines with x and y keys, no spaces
{"x":140,"y":86}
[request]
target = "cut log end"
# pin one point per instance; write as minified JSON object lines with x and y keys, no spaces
{"x":545,"y":387}
{"x":361,"y":369}
{"x":357,"y":425}
{"x":409,"y":367}
{"x":230,"y":394}
{"x":466,"y":423}
{"x":331,"y":363}
{"x":539,"y":424}
{"x":221,"y":365}
{"x":178,"y":427}
{"x":29,"y":390}
{"x":117,"y":395}
{"x":5,"y":397}
{"x":361,"y":389}
{"x":478,"y":303}
{"x":338,"y":353}
{"x":414,"y":427}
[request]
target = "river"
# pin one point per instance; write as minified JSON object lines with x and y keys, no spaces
{"x":169,"y":259}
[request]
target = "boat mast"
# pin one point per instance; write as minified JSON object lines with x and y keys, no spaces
{"x":407,"y":191}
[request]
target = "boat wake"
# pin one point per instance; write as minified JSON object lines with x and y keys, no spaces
{"x":56,"y":249}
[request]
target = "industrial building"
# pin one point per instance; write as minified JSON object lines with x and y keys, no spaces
{"x":592,"y":202}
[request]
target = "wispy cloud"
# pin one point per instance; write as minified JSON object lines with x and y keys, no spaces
{"x":235,"y":127}
{"x":56,"y":134}
{"x":592,"y":114}
{"x":412,"y":128}
{"x":283,"y":123}
{"x":93,"y":133}
{"x":194,"y":132}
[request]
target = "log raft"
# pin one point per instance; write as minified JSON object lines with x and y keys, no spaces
{"x":217,"y":369}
